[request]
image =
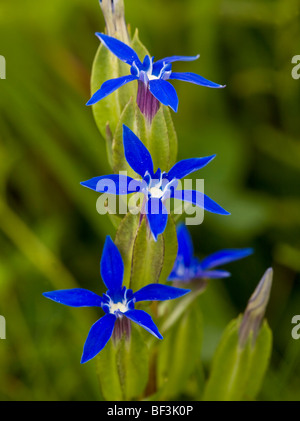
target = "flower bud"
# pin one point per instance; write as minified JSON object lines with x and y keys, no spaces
{"x":255,"y":309}
{"x":114,"y":15}
{"x":243,"y":354}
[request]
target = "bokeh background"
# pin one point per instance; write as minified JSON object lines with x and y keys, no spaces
{"x":50,"y":234}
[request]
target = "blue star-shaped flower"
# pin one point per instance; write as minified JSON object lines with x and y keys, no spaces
{"x":153,"y":87}
{"x":117,"y":302}
{"x":187,"y":267}
{"x":156,"y":187}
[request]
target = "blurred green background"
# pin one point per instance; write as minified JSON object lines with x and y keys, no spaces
{"x":50,"y":234}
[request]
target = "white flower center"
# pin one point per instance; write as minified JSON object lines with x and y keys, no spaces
{"x":181,"y":270}
{"x":117,"y":306}
{"x":156,"y":192}
{"x":152,"y":77}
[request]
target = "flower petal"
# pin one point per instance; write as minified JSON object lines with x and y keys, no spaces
{"x":224,"y":256}
{"x":199,"y":199}
{"x":110,"y":86}
{"x":159,"y":292}
{"x":119,"y":49}
{"x":187,"y":166}
{"x":185,"y":245}
{"x":164,"y":92}
{"x":111,"y":266}
{"x":143,"y":319}
{"x":211,"y":274}
{"x":76,"y":297}
{"x":160,"y":63}
{"x":157,"y":216}
{"x":98,"y":337}
{"x":194,"y":78}
{"x":113,"y":184}
{"x":136,"y":153}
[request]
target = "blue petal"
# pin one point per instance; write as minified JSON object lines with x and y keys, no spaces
{"x":185,"y":245}
{"x":157,"y":66}
{"x":76,"y":297}
{"x":111,"y":266}
{"x":119,"y":49}
{"x":143,"y":319}
{"x":212,"y":274}
{"x":136,"y":153}
{"x":110,"y":86}
{"x":194,"y":78}
{"x":159,"y":292}
{"x":199,"y":199}
{"x":224,"y":256}
{"x":176,"y":275}
{"x":164,"y":92}
{"x":157,"y":216}
{"x":187,"y":166}
{"x":98,"y":337}
{"x":113,"y":184}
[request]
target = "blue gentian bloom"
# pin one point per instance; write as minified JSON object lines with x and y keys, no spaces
{"x":153,"y":86}
{"x":118,"y":302}
{"x":156,"y":187}
{"x":187,"y":267}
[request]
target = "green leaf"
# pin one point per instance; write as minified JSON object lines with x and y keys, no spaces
{"x":138,"y":47}
{"x":170,"y":250}
{"x":124,"y":240}
{"x":147,"y":260}
{"x":230,"y":365}
{"x":123,"y":368}
{"x":107,"y":111}
{"x":158,"y":141}
{"x":173,"y":143}
{"x":118,"y":159}
{"x":260,"y":357}
{"x":108,"y":374}
{"x":179,"y":353}
{"x":237,"y":372}
{"x":134,"y":357}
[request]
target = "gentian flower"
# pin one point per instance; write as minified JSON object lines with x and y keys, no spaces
{"x":187,"y":267}
{"x":152,"y":77}
{"x":118,"y":302}
{"x":156,"y":187}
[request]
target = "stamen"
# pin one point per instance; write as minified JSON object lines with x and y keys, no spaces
{"x":156,"y":192}
{"x":117,"y":306}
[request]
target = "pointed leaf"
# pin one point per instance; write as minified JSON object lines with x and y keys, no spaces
{"x":124,"y":240}
{"x":147,"y":259}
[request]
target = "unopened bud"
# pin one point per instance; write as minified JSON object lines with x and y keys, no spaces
{"x":114,"y":15}
{"x":256,"y":309}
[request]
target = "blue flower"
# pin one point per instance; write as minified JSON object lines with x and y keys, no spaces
{"x":156,"y":187}
{"x":153,"y":76}
{"x":117,"y":303}
{"x":187,"y":267}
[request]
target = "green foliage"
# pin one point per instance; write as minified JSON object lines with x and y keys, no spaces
{"x":121,"y":376}
{"x":179,"y":353}
{"x":125,"y":240}
{"x":147,"y":258}
{"x":237,"y":372}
